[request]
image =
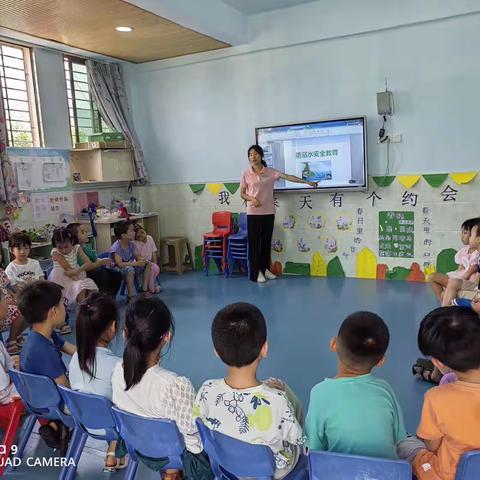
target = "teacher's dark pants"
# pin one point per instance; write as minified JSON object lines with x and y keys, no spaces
{"x":260,"y":230}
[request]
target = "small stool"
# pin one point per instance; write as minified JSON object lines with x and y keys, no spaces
{"x":176,"y":247}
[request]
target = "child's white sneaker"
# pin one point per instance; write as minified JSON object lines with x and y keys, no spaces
{"x":261,"y":278}
{"x":269,"y":275}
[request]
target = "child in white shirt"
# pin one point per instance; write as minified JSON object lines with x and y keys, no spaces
{"x":90,"y":369}
{"x":240,"y":405}
{"x":143,"y":387}
{"x":22,"y":269}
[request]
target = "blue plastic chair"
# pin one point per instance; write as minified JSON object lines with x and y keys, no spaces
{"x":469,"y":466}
{"x":90,"y":412}
{"x":150,"y":437}
{"x":231,"y":458}
{"x":213,"y":249}
{"x":237,"y":250}
{"x":339,"y":466}
{"x":242,"y":228}
{"x":41,"y":399}
{"x":237,"y":254}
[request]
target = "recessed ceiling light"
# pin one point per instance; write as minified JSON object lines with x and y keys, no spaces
{"x":124,"y":29}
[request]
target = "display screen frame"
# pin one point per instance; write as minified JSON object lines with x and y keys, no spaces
{"x":349,"y":188}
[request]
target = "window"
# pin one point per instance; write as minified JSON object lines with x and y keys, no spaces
{"x":85,"y":119}
{"x":18,"y":96}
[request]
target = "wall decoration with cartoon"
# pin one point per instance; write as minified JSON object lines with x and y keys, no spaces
{"x":403,"y":228}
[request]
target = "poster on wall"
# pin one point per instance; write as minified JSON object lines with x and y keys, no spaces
{"x":50,"y":206}
{"x":41,"y":168}
{"x":396,"y":234}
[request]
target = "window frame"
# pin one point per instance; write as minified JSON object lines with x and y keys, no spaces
{"x":31,"y":93}
{"x":97,"y":122}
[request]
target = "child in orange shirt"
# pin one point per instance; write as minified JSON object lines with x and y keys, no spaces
{"x":450,"y":423}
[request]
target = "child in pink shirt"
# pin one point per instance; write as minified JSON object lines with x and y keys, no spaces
{"x":466,"y":278}
{"x":464,"y":258}
{"x":147,"y":250}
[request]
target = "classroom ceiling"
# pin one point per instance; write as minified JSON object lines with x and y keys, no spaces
{"x":90,"y":25}
{"x":251,"y":7}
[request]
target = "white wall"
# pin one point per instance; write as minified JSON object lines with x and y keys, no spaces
{"x":196,"y":116}
{"x":52,"y":93}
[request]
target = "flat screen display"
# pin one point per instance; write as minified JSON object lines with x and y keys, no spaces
{"x":332,"y":153}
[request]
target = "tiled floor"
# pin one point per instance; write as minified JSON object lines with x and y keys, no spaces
{"x":302,"y":315}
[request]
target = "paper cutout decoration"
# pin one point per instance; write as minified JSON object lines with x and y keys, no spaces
{"x":398,"y":273}
{"x":464,"y":177}
{"x":343,"y":223}
{"x":446,"y":261}
{"x":288,"y":222}
{"x":416,"y":274}
{"x":382,"y":270}
{"x":384,"y":181}
{"x":408,"y":181}
{"x":319,"y":266}
{"x":366,"y":264}
{"x":302,"y":246}
{"x":335,"y":269}
{"x":428,"y":270}
{"x":435,"y":179}
{"x":214,"y":188}
{"x":294,"y":268}
{"x":197,"y":187}
{"x":276,"y":269}
{"x":232,"y":187}
{"x":277,"y":245}
{"x":316,"y":222}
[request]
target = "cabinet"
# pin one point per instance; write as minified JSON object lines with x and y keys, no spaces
{"x":99,"y":165}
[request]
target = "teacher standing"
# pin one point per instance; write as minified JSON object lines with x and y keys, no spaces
{"x":257,"y":189}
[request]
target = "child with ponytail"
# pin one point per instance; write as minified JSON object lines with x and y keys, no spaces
{"x":91,"y":367}
{"x":143,"y":387}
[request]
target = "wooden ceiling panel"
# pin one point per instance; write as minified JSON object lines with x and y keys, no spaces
{"x":90,"y":25}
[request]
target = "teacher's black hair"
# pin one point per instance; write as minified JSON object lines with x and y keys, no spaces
{"x":259,"y":150}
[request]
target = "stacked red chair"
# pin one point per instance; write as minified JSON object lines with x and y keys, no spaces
{"x":215,"y":242}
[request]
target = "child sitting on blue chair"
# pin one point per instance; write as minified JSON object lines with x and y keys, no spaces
{"x":91,"y":367}
{"x":449,"y":421}
{"x":240,"y":405}
{"x":42,"y":306}
{"x":128,"y":260}
{"x":356,"y":412}
{"x":143,"y":387}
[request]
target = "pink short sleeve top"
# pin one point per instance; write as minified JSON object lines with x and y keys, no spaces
{"x":146,"y":249}
{"x":260,"y":185}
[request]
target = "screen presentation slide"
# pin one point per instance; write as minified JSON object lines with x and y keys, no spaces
{"x":322,"y":160}
{"x":331,"y":153}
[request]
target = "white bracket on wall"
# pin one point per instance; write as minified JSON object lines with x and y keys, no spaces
{"x":392,"y":138}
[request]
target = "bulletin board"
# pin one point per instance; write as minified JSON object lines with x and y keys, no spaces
{"x":42,"y":169}
{"x":396,"y":234}
{"x":45,"y":185}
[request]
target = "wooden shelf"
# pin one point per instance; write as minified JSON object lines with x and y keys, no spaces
{"x":94,"y":185}
{"x":103,"y":165}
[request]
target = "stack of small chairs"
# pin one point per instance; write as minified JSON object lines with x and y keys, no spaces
{"x":237,"y":250}
{"x":215,"y":242}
